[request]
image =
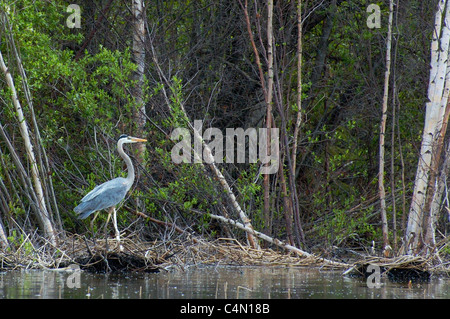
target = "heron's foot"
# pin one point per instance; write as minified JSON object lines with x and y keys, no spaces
{"x":116,"y":247}
{"x":119,"y":244}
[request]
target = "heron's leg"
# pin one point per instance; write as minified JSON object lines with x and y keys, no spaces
{"x":93,"y":219}
{"x":116,"y":229}
{"x":106,"y":226}
{"x":110,"y":210}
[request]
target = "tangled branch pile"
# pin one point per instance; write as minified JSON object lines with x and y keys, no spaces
{"x":138,"y":255}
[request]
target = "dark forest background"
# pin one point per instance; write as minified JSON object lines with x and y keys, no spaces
{"x":199,"y":57}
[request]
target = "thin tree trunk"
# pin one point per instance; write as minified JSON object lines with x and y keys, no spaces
{"x":296,"y":214}
{"x":286,"y":204}
{"x":43,"y":215}
{"x":299,"y":84}
{"x":255,"y":50}
{"x":393,"y":133}
{"x":267,"y":90}
{"x":269,"y":98}
{"x":394,"y":204}
{"x":402,"y":165}
{"x":382,"y":193}
{"x":138,"y":10}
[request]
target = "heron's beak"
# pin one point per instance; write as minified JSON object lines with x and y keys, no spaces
{"x":137,"y":139}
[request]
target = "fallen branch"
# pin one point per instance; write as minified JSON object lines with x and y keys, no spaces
{"x":209,"y":159}
{"x":249,"y":230}
{"x":272,"y":240}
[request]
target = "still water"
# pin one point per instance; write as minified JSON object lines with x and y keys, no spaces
{"x":211,"y":283}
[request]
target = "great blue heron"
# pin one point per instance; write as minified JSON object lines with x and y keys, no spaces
{"x":109,"y":194}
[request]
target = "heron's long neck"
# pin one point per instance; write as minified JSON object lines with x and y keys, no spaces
{"x":126,"y":158}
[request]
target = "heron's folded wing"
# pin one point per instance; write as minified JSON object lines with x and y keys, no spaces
{"x":114,"y":185}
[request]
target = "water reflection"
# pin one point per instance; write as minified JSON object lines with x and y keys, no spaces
{"x":211,"y":282}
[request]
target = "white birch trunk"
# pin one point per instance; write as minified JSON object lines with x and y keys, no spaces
{"x":3,"y":238}
{"x":381,"y":189}
{"x":269,"y":97}
{"x":437,"y":95}
{"x":435,"y":208}
{"x":43,"y":215}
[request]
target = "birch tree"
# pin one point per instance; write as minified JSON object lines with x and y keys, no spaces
{"x":3,"y":238}
{"x":438,"y":89}
{"x":382,"y":192}
{"x":42,"y":213}
{"x":269,"y":97}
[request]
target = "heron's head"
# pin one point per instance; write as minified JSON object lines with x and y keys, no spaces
{"x":130,"y":139}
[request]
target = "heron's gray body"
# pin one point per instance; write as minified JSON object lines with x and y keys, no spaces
{"x":110,"y":193}
{"x":103,"y":196}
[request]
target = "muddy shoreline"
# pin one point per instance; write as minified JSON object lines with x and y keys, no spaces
{"x":100,"y":256}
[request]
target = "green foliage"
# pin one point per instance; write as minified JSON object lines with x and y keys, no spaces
{"x":178,"y":117}
{"x":70,"y":97}
{"x":445,"y":251}
{"x":342,"y":226}
{"x":20,"y":242}
{"x":82,"y":104}
{"x":251,"y":194}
